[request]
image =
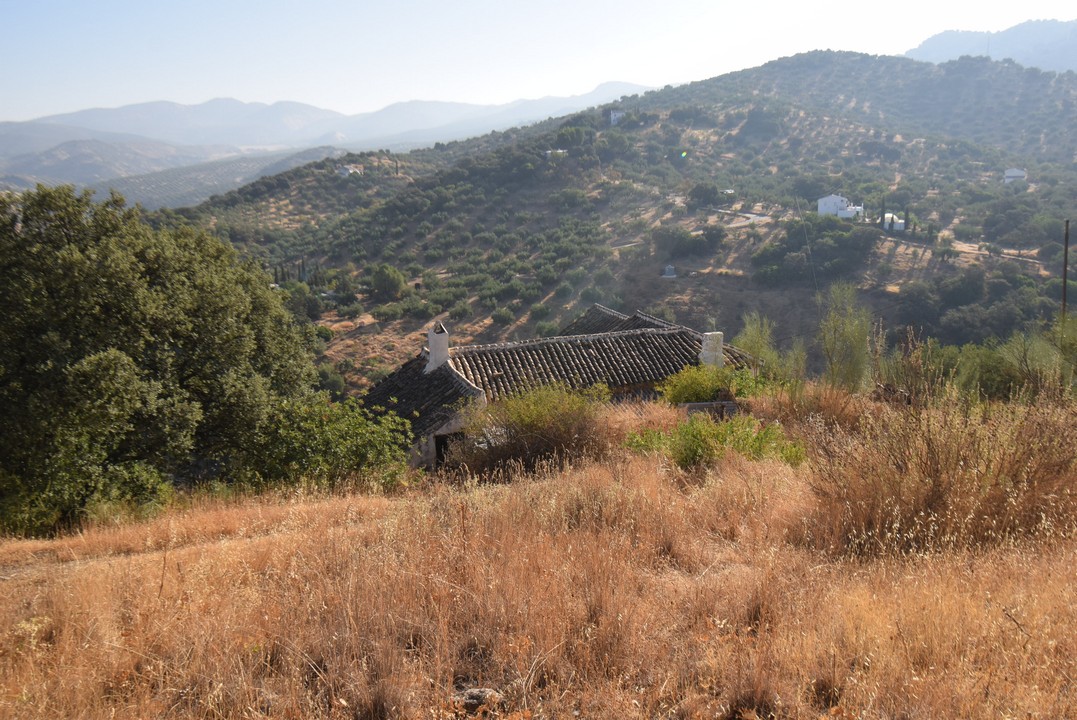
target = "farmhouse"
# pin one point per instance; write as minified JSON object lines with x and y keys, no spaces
{"x":837,"y":205}
{"x":1013,"y":175}
{"x":630,"y":354}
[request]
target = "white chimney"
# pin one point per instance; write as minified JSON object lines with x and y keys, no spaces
{"x":437,"y":344}
{"x":711,"y":352}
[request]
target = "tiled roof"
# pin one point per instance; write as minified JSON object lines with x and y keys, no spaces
{"x":635,"y":357}
{"x":427,"y":400}
{"x":624,"y":359}
{"x":601,"y":319}
{"x":735,"y":357}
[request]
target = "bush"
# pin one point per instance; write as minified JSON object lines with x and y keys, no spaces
{"x":546,"y":328}
{"x":700,"y":441}
{"x":329,"y":446}
{"x":502,"y":316}
{"x":387,"y":282}
{"x":388,"y":312}
{"x":707,"y":383}
{"x":548,"y":422}
{"x":460,"y":310}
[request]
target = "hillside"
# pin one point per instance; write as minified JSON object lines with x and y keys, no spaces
{"x":91,"y":157}
{"x":511,"y":234}
{"x":193,"y":184}
{"x":973,"y":99}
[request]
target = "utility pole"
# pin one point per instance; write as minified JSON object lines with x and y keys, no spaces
{"x":1065,"y":281}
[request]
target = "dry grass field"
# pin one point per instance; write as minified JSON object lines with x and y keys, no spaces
{"x":617,"y":587}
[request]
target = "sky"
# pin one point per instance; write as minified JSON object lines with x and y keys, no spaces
{"x":59,"y":56}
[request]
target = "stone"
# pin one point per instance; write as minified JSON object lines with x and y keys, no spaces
{"x":471,"y":700}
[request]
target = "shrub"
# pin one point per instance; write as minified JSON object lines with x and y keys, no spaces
{"x":329,"y":446}
{"x":352,"y":311}
{"x":387,"y":282}
{"x":502,"y":316}
{"x":952,"y":474}
{"x":546,"y":328}
{"x":548,"y":422}
{"x":388,"y":312}
{"x":460,"y":310}
{"x":707,"y":383}
{"x":701,"y":440}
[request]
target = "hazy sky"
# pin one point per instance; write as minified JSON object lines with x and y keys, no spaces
{"x":64,"y":55}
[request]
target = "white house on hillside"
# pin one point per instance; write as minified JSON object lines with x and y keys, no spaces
{"x":837,"y":205}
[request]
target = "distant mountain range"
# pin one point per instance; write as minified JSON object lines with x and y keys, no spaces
{"x":93,"y":147}
{"x":1044,"y":44}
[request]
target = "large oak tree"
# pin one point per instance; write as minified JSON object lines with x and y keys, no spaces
{"x":133,"y":359}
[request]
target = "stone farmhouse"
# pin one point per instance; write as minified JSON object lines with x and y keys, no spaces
{"x":630,"y":354}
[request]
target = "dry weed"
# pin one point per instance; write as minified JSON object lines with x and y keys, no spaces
{"x":612,"y":589}
{"x":946,"y":476}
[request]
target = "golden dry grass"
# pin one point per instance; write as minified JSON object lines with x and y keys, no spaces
{"x":617,"y":588}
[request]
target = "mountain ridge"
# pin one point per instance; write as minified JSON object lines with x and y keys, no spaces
{"x":1045,"y":44}
{"x":33,"y":151}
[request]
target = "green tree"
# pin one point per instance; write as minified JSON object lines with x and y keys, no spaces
{"x":387,"y":282}
{"x":130,"y":359}
{"x":844,"y":336}
{"x":703,"y":194}
{"x":757,"y":339}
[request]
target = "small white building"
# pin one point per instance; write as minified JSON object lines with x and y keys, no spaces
{"x":1013,"y":175}
{"x":616,"y":116}
{"x":893,"y":223}
{"x":837,"y":205}
{"x":346,"y":170}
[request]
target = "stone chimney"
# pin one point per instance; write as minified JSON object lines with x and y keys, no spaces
{"x":711,"y":353}
{"x":437,"y":344}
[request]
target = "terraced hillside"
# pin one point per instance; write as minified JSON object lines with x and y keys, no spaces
{"x":511,"y":234}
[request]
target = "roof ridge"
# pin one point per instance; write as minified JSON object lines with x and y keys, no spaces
{"x":572,"y":339}
{"x":457,"y":377}
{"x":608,"y":310}
{"x":661,"y":321}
